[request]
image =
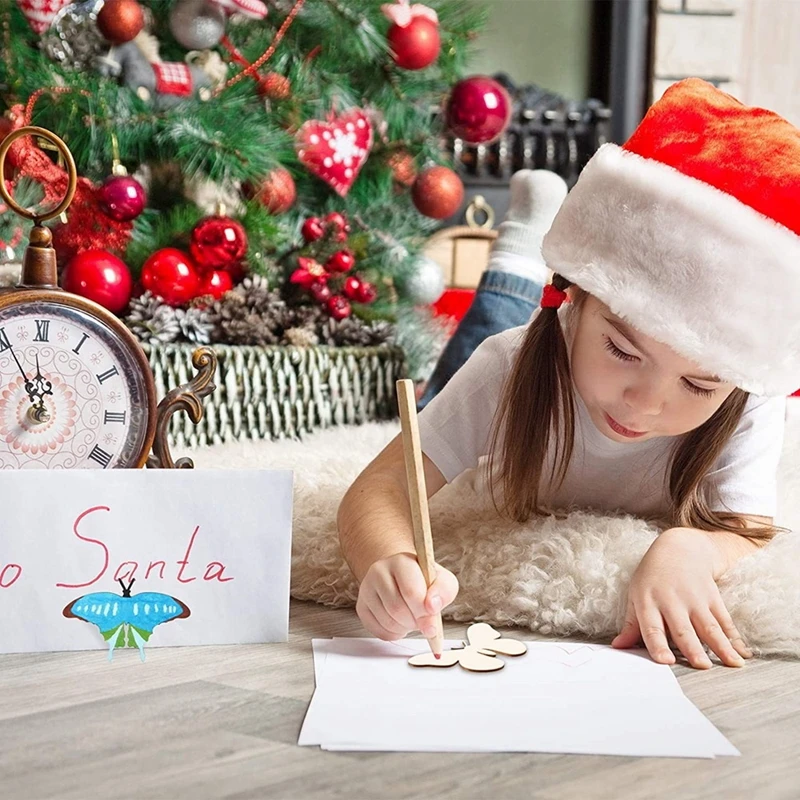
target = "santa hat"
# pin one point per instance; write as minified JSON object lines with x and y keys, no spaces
{"x":691,"y":233}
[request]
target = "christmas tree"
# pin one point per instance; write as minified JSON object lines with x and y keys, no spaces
{"x":260,"y":170}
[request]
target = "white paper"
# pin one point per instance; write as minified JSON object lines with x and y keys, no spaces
{"x":218,"y":541}
{"x":560,"y":697}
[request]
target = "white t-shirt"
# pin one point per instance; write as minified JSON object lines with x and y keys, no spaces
{"x":604,"y":475}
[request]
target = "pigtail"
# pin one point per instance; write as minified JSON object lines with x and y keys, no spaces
{"x":536,"y":406}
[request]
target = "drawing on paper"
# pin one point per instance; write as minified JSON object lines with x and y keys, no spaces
{"x":126,"y":621}
{"x":479,"y":653}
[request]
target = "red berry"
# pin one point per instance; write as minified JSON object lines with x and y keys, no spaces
{"x":320,"y":291}
{"x":337,"y":220}
{"x":338,"y":307}
{"x":366,"y":293}
{"x":313,"y":229}
{"x":351,"y":287}
{"x":340,"y":261}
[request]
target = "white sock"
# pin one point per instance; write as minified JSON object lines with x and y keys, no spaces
{"x":536,"y":196}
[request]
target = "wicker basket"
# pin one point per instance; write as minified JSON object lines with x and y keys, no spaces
{"x":281,"y":391}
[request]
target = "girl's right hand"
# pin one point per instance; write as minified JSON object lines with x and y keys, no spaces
{"x":394,"y":598}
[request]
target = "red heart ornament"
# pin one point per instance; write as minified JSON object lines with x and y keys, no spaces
{"x":336,"y":150}
{"x":41,"y":13}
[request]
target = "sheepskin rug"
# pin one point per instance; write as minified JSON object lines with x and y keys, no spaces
{"x":563,"y":577}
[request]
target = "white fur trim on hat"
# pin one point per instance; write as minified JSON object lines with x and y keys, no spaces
{"x":686,"y":264}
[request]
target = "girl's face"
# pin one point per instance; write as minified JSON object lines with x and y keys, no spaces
{"x":634,"y":387}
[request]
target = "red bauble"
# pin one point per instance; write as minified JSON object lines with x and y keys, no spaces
{"x":217,"y":243}
{"x":313,"y":229}
{"x":274,"y":86}
{"x":122,"y":198}
{"x":277,"y":191}
{"x":437,"y":192}
{"x":479,"y":110}
{"x":351,"y":287}
{"x":120,"y":20}
{"x":416,"y":45}
{"x":100,"y":276}
{"x":320,"y":291}
{"x":215,"y":283}
{"x":338,"y":307}
{"x":171,"y":275}
{"x":340,"y":261}
{"x":366,"y":293}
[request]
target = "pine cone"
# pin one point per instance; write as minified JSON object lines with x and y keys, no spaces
{"x":195,"y":325}
{"x":353,"y":332}
{"x":300,"y":337}
{"x":153,"y":321}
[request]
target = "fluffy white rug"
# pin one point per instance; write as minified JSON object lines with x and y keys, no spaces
{"x":561,"y":577}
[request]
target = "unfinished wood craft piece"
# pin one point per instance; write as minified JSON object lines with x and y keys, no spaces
{"x":479,"y":653}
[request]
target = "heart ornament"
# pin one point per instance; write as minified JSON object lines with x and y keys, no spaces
{"x":41,"y":13}
{"x":335,"y":150}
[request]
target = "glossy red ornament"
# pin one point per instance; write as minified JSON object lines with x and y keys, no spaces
{"x":338,"y":307}
{"x":122,"y":198}
{"x":366,"y":293}
{"x":171,"y":275}
{"x":352,"y":284}
{"x":416,"y":45}
{"x":313,"y":229}
{"x":479,"y":110}
{"x":120,"y":20}
{"x":217,"y":242}
{"x":437,"y":192}
{"x":215,"y":283}
{"x":320,"y":291}
{"x":100,"y":276}
{"x":277,"y":191}
{"x":341,"y":261}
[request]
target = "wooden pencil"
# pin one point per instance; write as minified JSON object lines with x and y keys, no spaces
{"x":418,"y":496}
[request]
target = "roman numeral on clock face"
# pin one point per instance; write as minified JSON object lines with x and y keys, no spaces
{"x":115,"y":416}
{"x":77,"y":349}
{"x":100,"y":456}
{"x":109,"y":373}
{"x":42,"y":330}
{"x":4,"y":343}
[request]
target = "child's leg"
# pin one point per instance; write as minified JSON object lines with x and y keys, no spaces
{"x":511,"y":287}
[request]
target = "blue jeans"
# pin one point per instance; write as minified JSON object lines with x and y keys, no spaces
{"x":503,"y":300}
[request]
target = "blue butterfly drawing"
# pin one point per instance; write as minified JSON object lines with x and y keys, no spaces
{"x":126,"y":621}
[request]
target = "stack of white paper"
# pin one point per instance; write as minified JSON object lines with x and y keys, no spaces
{"x":559,"y":697}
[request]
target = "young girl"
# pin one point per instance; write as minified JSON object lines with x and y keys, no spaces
{"x":652,"y":380}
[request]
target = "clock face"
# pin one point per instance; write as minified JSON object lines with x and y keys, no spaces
{"x":72,"y":395}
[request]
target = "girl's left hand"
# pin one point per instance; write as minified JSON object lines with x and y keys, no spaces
{"x":673,"y":592}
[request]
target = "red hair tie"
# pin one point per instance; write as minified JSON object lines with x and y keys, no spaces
{"x":553,"y":297}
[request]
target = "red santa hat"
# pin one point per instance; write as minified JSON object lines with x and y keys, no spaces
{"x":691,"y":232}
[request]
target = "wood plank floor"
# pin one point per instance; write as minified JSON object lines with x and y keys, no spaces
{"x":222,"y":722}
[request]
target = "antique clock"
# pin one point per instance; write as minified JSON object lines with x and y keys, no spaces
{"x":76,"y":388}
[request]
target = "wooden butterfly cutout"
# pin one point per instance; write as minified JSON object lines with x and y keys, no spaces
{"x":479,"y":653}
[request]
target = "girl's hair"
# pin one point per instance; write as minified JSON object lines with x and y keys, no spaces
{"x":537,"y":407}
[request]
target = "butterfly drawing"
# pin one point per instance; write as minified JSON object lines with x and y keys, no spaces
{"x":479,"y":653}
{"x":126,"y":621}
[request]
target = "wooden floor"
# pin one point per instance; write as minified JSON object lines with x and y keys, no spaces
{"x":223,"y":722}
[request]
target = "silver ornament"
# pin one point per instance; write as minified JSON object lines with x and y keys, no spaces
{"x":197,"y":24}
{"x":427,"y":284}
{"x":73,"y":39}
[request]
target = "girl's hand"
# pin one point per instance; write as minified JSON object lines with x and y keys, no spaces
{"x":394,"y":599}
{"x":673,"y":592}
